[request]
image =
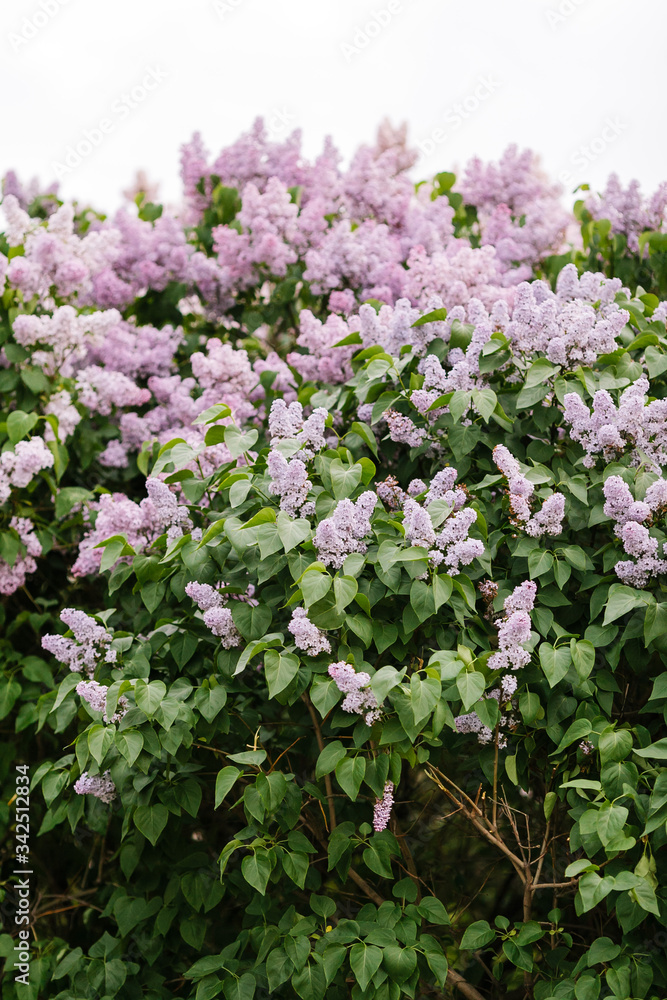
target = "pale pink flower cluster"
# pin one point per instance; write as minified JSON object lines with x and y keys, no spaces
{"x":286,"y":423}
{"x":18,"y":467}
{"x":96,"y":696}
{"x":89,"y":646}
{"x":628,"y":210}
{"x":571,"y":326}
{"x":355,"y":686}
{"x":216,"y":617}
{"x":172,"y":515}
{"x":12,"y":577}
{"x":115,"y":514}
{"x":403,"y":430}
{"x":514,"y":629}
{"x":382,"y":808}
{"x":450,"y":547}
{"x":289,"y":481}
{"x":343,"y":533}
{"x":307,"y":636}
{"x":549,"y":519}
{"x":101,"y":786}
{"x":609,"y":430}
{"x":629,"y":514}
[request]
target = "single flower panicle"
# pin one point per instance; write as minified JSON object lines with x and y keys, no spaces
{"x":336,"y":537}
{"x":382,"y":808}
{"x":355,"y":686}
{"x":89,"y":646}
{"x":307,"y":636}
{"x":101,"y":786}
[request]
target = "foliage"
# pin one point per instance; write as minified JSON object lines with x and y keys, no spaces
{"x":381,"y":713}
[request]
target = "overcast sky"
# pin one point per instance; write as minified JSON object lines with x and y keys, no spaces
{"x":579,"y":81}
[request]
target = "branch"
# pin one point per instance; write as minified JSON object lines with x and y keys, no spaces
{"x":327,"y":777}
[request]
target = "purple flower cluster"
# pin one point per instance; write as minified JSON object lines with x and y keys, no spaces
{"x":18,"y":467}
{"x":96,"y":696}
{"x":608,"y":429}
{"x":629,"y":514}
{"x":101,"y":786}
{"x":382,"y":808}
{"x":355,"y":686}
{"x":343,"y":533}
{"x":216,"y":617}
{"x":89,"y":646}
{"x":306,"y":635}
{"x":13,"y":577}
{"x":549,"y":519}
{"x":514,"y":629}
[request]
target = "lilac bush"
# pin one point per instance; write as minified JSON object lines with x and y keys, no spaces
{"x":332,"y":514}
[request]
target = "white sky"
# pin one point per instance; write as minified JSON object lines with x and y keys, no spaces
{"x":580,"y":81}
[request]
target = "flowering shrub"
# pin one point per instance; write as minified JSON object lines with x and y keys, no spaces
{"x":333,"y":558}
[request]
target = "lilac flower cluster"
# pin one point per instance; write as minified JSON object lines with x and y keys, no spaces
{"x":89,"y":646}
{"x":571,"y":326}
{"x":382,"y":808}
{"x":101,"y":786}
{"x":307,"y":636}
{"x":549,"y":519}
{"x":514,"y":629}
{"x":629,"y":514}
{"x":13,"y":577}
{"x":216,"y":617}
{"x":627,"y":210}
{"x":336,"y":537}
{"x":18,"y":467}
{"x":96,"y":696}
{"x":609,"y":430}
{"x":451,"y":547}
{"x":355,"y":686}
{"x":286,"y":423}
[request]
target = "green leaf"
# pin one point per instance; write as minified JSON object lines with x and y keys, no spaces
{"x":365,"y":960}
{"x":314,"y":586}
{"x":345,"y":589}
{"x":477,"y":935}
{"x":295,"y":866}
{"x":555,"y":662}
{"x":583,"y":657}
{"x":280,"y":669}
{"x":576,"y":731}
{"x":151,"y":821}
{"x":19,"y":424}
{"x":657,"y":751}
{"x":330,"y":756}
{"x":349,"y":775}
{"x":433,"y":910}
{"x":253,"y":622}
{"x":655,"y":622}
{"x":149,"y":696}
{"x":471,"y":687}
{"x":241,"y":988}
{"x":129,"y":743}
{"x":292,"y":531}
{"x":256,"y":870}
{"x":434,"y":316}
{"x":309,"y":982}
{"x":540,"y":561}
{"x":224,"y":782}
{"x":399,"y":962}
{"x":622,"y":599}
